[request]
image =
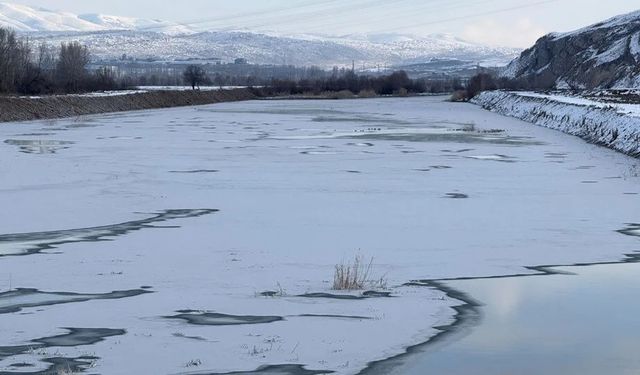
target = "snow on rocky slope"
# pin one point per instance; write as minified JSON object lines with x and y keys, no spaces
{"x":616,"y":126}
{"x":604,"y":55}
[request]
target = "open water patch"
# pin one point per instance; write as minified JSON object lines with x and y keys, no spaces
{"x":73,"y":338}
{"x":35,"y":242}
{"x":216,"y":319}
{"x":288,"y":369}
{"x":58,"y":366}
{"x":504,"y":324}
{"x":196,"y":171}
{"x":19,"y":299}
{"x":456,"y":196}
{"x":631,"y":230}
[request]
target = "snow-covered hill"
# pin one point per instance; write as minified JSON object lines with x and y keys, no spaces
{"x":270,"y":49}
{"x":28,"y":19}
{"x":24,"y":18}
{"x":604,"y":55}
{"x":109,"y":37}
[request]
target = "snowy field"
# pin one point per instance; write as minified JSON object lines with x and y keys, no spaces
{"x":141,"y":243}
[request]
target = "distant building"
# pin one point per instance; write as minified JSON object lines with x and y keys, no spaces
{"x":240,"y":61}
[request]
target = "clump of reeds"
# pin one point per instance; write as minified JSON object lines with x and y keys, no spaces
{"x":353,"y":276}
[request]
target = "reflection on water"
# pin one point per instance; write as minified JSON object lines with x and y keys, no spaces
{"x":39,"y":146}
{"x":583,"y":324}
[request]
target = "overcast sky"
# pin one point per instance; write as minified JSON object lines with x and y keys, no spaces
{"x":515,"y":23}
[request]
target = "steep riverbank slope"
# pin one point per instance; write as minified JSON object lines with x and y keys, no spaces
{"x":616,"y":126}
{"x":50,"y":107}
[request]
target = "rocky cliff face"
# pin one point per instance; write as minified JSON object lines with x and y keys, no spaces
{"x":604,"y":55}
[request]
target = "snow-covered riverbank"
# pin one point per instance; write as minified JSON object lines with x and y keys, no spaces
{"x":613,"y":125}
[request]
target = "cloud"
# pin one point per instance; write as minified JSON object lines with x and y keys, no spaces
{"x":518,"y":33}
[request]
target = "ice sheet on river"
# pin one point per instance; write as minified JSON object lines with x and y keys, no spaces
{"x":290,"y":209}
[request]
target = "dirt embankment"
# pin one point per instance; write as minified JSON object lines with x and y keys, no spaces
{"x":50,"y":107}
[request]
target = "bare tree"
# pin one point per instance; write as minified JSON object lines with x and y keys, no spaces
{"x":71,"y":69}
{"x":105,"y":79}
{"x":480,"y":82}
{"x":194,"y":76}
{"x":14,"y":60}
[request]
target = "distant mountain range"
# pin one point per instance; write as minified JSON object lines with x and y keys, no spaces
{"x":604,"y":55}
{"x":25,"y":19}
{"x":109,"y":37}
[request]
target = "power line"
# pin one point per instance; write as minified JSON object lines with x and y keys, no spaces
{"x":496,"y":11}
{"x":263,"y":13}
{"x":314,"y":15}
{"x":330,"y":9}
{"x":448,"y":6}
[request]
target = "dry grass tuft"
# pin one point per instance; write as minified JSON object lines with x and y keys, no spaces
{"x":353,"y":276}
{"x":67,"y":371}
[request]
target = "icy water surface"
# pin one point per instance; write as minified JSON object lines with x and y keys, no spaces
{"x":583,"y":322}
{"x":219,"y":229}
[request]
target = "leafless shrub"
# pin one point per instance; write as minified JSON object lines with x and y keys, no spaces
{"x":403,"y":92}
{"x":67,"y":371}
{"x":343,"y":94}
{"x":367,"y":94}
{"x":353,"y":276}
{"x":459,"y":96}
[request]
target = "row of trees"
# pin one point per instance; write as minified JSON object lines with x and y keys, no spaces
{"x":340,"y":81}
{"x":397,"y":83}
{"x":487,"y":82}
{"x":43,"y":69}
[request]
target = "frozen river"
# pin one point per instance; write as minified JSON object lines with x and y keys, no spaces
{"x":142,"y":242}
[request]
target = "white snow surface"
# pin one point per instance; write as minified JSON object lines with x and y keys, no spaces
{"x":25,"y":18}
{"x":622,"y":108}
{"x":291,"y":207}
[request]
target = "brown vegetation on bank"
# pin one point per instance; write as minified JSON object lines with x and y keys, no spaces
{"x":14,"y":108}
